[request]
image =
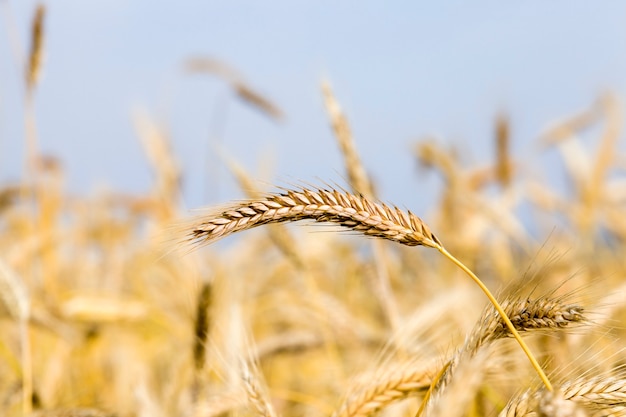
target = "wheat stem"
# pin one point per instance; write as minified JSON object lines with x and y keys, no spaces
{"x":504,"y":316}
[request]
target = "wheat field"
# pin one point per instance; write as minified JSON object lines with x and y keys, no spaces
{"x":126,"y":305}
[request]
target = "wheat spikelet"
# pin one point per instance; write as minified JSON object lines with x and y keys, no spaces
{"x":322,"y":205}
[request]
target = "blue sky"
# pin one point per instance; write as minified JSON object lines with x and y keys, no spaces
{"x":401,"y":70}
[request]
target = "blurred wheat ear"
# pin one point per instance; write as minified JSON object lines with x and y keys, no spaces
{"x":15,"y":298}
{"x":35,"y":57}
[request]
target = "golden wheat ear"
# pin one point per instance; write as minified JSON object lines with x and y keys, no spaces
{"x":354,"y":212}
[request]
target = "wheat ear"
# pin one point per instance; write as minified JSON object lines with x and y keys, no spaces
{"x":35,"y":57}
{"x":526,"y":315}
{"x":256,"y":395}
{"x":547,"y":404}
{"x":605,"y":395}
{"x":322,"y":205}
{"x":394,"y":385}
{"x":354,"y":212}
{"x":542,"y":313}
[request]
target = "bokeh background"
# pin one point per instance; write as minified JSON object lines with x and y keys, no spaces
{"x":401,"y":71}
{"x":499,"y":123}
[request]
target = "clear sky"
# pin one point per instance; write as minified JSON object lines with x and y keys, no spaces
{"x":401,"y":70}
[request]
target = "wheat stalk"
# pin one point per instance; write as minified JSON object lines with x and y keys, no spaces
{"x":354,"y":212}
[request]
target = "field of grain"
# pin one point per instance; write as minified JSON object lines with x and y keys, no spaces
{"x":319,"y":299}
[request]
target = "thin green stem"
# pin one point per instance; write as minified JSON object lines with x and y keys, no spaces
{"x":504,"y":316}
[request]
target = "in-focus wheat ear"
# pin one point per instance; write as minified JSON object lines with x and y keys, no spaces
{"x":351,"y":211}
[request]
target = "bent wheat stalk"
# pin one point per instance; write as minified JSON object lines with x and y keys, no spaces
{"x":354,"y":212}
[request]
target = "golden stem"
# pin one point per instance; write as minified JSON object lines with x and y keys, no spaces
{"x":504,"y":316}
{"x":431,"y":388}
